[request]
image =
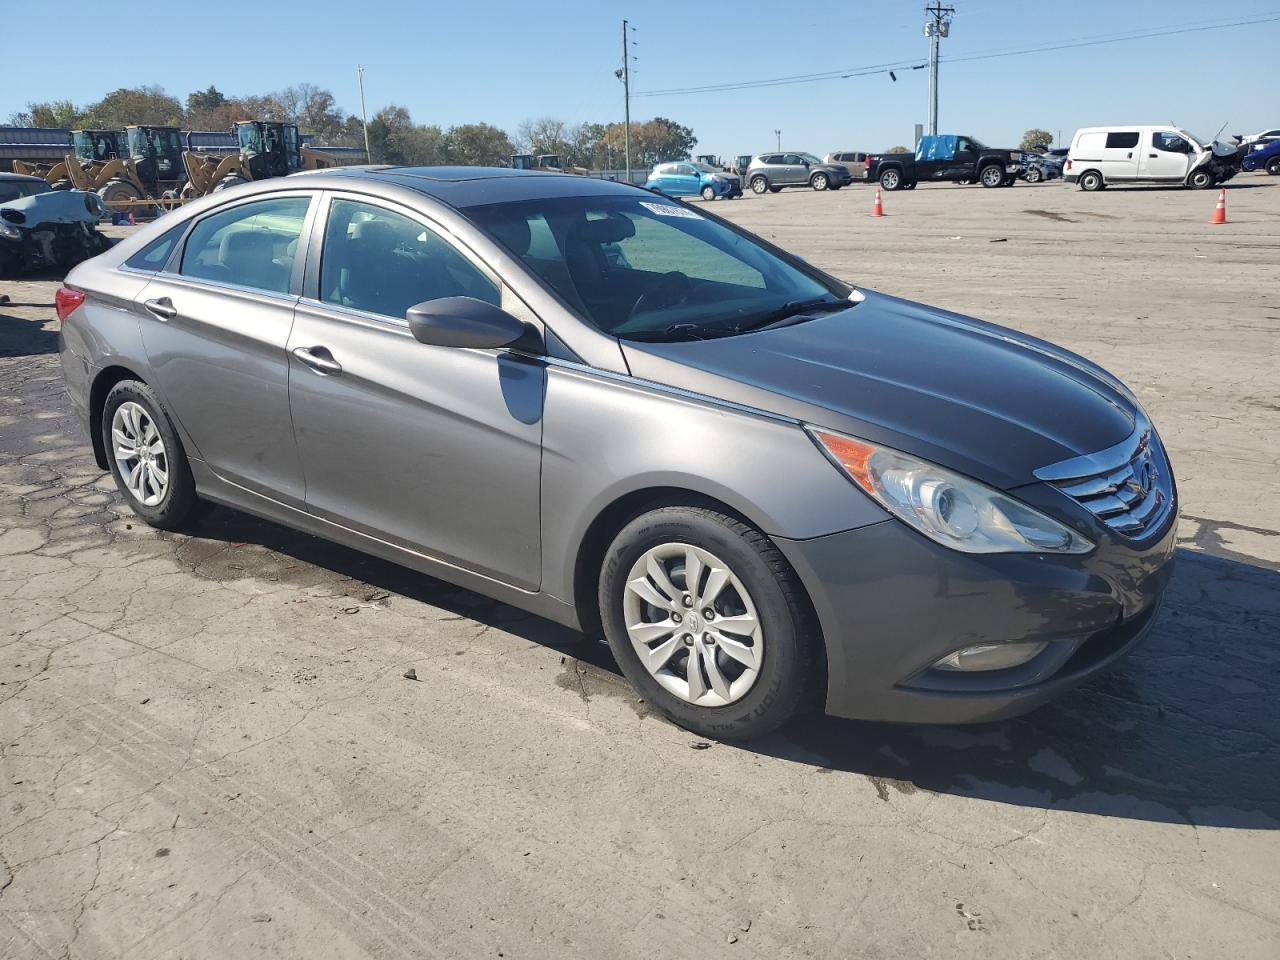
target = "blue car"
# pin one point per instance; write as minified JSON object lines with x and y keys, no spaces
{"x":1265,"y":158}
{"x":685,"y":178}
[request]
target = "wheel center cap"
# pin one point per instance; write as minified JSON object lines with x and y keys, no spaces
{"x":693,"y":622}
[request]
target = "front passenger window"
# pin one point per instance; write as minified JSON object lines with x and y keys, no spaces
{"x":250,"y":245}
{"x":384,"y":263}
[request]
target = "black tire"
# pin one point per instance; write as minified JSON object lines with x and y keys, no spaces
{"x":708,"y":192}
{"x":1273,"y":167}
{"x":775,"y":189}
{"x":1090,"y":181}
{"x":789,"y":637}
{"x":119,"y":190}
{"x":819,"y":181}
{"x":909,"y":186}
{"x":992,"y":175}
{"x":759,"y":184}
{"x":178,"y":503}
{"x":1034,"y":175}
{"x":1200,"y":179}
{"x":891,"y":179}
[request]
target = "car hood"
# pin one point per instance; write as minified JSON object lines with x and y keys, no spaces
{"x":987,"y":401}
{"x":57,"y":206}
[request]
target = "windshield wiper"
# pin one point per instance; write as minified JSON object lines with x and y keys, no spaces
{"x":793,"y":311}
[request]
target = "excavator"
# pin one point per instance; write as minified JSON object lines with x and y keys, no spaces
{"x":267,"y":149}
{"x":547,"y":162}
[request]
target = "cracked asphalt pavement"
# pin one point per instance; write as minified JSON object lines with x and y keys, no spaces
{"x":209,"y":748}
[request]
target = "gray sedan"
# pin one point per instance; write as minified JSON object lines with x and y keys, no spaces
{"x":769,"y":489}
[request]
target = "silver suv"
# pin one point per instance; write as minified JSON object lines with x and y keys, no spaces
{"x":773,"y":171}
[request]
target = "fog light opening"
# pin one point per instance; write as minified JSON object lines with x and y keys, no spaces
{"x":991,"y":656}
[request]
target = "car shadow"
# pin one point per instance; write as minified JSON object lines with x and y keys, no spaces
{"x":21,"y":337}
{"x":1184,"y":730}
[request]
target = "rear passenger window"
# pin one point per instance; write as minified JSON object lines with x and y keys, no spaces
{"x":384,"y":263}
{"x":155,"y":254}
{"x":1125,"y":140}
{"x":250,"y":245}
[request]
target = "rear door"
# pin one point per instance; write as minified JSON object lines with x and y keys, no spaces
{"x":436,"y":449}
{"x":215,"y":325}
{"x":1118,"y":158}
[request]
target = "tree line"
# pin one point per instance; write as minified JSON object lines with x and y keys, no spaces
{"x":394,"y":136}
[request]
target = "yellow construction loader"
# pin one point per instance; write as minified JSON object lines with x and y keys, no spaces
{"x":87,"y":146}
{"x":267,"y":149}
{"x":132,"y":171}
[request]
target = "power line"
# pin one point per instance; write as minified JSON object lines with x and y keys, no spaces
{"x":871,"y":69}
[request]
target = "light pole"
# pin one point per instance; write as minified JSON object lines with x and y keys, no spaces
{"x":364,"y":119}
{"x":935,"y":28}
{"x":778,"y":134}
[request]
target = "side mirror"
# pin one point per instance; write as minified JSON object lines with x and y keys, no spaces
{"x":464,"y":322}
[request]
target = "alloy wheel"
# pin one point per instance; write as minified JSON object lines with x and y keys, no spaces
{"x":139,"y":453}
{"x":693,"y":624}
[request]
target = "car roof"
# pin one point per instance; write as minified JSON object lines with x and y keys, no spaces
{"x":476,"y":186}
{"x":10,"y":177}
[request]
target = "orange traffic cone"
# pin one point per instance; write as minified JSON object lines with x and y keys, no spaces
{"x":877,"y":208}
{"x":1220,"y":213}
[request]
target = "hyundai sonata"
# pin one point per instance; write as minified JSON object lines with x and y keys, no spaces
{"x":768,"y":488}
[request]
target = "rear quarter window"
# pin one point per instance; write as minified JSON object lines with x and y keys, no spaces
{"x":155,"y":254}
{"x":1122,"y":140}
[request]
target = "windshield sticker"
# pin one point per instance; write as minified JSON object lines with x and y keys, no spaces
{"x":668,"y":210}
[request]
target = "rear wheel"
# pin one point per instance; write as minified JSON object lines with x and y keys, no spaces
{"x":707,"y":621}
{"x":146,"y":457}
{"x":775,"y":189}
{"x":992,"y":175}
{"x":1034,"y":175}
{"x":891,"y":179}
{"x":759,"y":184}
{"x":1273,"y":166}
{"x":708,"y":192}
{"x":819,"y":181}
{"x":1090,"y":181}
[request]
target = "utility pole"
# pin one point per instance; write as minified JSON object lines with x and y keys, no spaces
{"x":935,"y":28}
{"x":626,"y":97}
{"x":364,"y":119}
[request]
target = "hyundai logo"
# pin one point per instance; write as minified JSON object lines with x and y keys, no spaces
{"x":1144,"y":475}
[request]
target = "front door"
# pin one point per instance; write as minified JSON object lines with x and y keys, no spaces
{"x":436,"y":449}
{"x":794,"y":169}
{"x":1167,"y":157}
{"x":215,"y":330}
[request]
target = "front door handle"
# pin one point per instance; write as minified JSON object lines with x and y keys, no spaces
{"x":161,"y":309}
{"x":318,"y":359}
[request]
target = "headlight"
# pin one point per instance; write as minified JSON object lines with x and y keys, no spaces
{"x":9,"y":231}
{"x":947,"y":508}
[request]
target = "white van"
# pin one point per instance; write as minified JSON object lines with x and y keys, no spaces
{"x":1147,"y":154}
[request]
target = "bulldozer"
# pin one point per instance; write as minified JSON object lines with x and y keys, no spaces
{"x":547,"y":162}
{"x":267,"y":149}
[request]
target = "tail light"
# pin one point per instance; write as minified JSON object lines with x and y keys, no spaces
{"x":1068,"y":163}
{"x":66,"y":300}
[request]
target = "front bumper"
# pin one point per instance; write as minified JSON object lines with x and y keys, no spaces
{"x":892,"y":603}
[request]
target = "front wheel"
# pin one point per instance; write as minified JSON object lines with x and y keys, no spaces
{"x":1034,"y":175}
{"x":992,"y":175}
{"x":1273,"y":167}
{"x":146,"y":457}
{"x":759,"y":184}
{"x":891,"y":180}
{"x":706,"y":620}
{"x":1200,"y":179}
{"x":708,"y":193}
{"x":819,"y":181}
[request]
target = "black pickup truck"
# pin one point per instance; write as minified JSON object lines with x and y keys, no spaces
{"x":942,"y":158}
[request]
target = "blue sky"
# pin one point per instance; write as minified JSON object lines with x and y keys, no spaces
{"x":505,"y":61}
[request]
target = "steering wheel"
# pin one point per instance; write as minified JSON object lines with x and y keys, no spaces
{"x":663,"y":292}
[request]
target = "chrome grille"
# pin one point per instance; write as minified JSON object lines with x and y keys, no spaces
{"x":1128,"y":487}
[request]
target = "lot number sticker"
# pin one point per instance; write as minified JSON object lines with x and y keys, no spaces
{"x":667,"y":210}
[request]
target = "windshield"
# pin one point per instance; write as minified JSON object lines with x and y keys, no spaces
{"x":644,"y":268}
{"x":809,"y":157}
{"x":250,"y":137}
{"x":707,"y":168}
{"x":1193,"y":138}
{"x":17,"y":189}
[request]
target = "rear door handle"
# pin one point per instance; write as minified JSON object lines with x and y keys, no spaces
{"x":162,"y":309}
{"x":318,"y":359}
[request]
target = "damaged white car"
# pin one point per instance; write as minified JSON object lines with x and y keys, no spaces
{"x":43,"y":229}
